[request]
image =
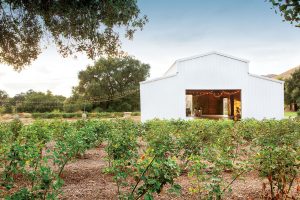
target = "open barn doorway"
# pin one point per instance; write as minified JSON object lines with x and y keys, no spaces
{"x":214,"y":104}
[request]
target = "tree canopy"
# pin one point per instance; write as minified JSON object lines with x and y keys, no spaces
{"x":31,"y":101}
{"x":40,"y":102}
{"x":289,"y":9}
{"x":3,"y":97}
{"x":112,"y":80}
{"x":111,"y":84}
{"x":92,"y":27}
{"x":292,"y":89}
{"x":4,"y":102}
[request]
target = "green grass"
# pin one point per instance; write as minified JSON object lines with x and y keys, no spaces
{"x":290,"y":114}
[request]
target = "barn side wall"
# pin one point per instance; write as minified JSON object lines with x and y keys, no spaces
{"x":211,"y":72}
{"x":160,"y":99}
{"x":165,"y":98}
{"x":263,"y":99}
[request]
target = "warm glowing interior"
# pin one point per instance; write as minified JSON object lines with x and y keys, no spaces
{"x":214,"y":104}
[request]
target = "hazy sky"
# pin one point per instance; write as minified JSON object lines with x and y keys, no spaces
{"x":247,"y":29}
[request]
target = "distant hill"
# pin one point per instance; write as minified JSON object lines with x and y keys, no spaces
{"x":284,"y":75}
{"x":270,"y":75}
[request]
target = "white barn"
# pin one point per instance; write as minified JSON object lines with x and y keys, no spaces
{"x":211,"y":85}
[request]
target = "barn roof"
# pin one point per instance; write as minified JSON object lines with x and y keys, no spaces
{"x":166,"y":75}
{"x":203,"y":55}
{"x":212,"y":53}
{"x":159,"y":78}
{"x":266,"y":78}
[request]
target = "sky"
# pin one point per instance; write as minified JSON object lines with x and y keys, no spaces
{"x":247,"y":29}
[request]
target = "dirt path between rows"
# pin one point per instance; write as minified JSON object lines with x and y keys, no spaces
{"x":84,"y":179}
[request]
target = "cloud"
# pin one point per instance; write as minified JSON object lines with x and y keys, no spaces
{"x":49,"y":71}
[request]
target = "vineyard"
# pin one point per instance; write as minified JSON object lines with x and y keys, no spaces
{"x":145,"y":160}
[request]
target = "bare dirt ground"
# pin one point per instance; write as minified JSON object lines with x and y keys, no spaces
{"x":84,"y":179}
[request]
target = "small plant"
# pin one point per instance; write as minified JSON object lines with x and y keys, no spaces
{"x":277,"y":157}
{"x":144,"y":158}
{"x":153,"y":173}
{"x":25,"y":162}
{"x":137,"y":178}
{"x":122,"y":150}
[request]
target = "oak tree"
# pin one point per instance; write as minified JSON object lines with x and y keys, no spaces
{"x":292,"y":89}
{"x":289,"y":9}
{"x":92,"y":27}
{"x":112,"y":80}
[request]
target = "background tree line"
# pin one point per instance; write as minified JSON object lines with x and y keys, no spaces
{"x":111,"y":85}
{"x":31,"y":101}
{"x":292,"y":91}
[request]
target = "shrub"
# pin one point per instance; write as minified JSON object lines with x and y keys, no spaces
{"x":55,"y":115}
{"x":2,"y":110}
{"x":206,"y":149}
{"x":153,"y":173}
{"x":72,"y":115}
{"x":122,"y":140}
{"x":277,"y":156}
{"x":136,"y":114}
{"x":197,"y":135}
{"x":118,"y":114}
{"x":46,"y":115}
{"x":25,"y":158}
{"x":122,"y":151}
{"x":160,"y":136}
{"x":106,"y":115}
{"x":24,"y":153}
{"x":98,"y":109}
{"x":248,"y":129}
{"x":7,"y":137}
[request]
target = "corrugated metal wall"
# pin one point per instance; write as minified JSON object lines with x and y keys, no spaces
{"x":165,"y":98}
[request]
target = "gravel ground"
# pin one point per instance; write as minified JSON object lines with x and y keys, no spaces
{"x":84,"y":179}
